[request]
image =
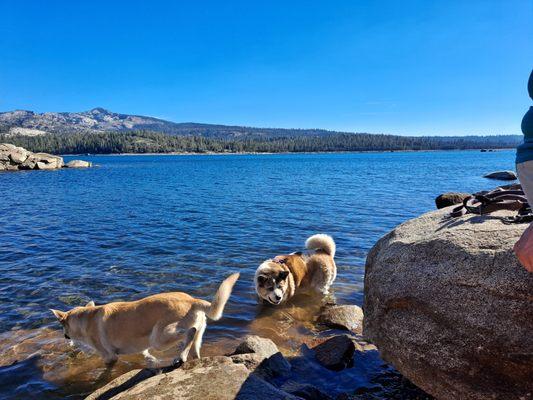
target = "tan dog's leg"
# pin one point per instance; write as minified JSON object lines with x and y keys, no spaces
{"x":198,"y":338}
{"x":164,"y":337}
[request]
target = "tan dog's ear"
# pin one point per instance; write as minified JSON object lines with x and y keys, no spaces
{"x":90,"y":304}
{"x":60,"y":315}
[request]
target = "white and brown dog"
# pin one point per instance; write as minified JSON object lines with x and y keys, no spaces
{"x":155,"y":322}
{"x":280,"y":278}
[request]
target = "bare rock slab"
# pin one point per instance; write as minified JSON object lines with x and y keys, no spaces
{"x":447,"y":303}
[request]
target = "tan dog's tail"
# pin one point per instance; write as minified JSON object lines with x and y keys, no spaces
{"x":215,"y":309}
{"x":321,"y":242}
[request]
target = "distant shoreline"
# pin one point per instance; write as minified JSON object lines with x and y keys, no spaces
{"x":273,"y":153}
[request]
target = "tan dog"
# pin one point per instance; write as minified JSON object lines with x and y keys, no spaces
{"x":155,"y":322}
{"x":278,"y":279}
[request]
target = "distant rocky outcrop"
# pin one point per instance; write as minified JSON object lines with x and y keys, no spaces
{"x":502,"y":175}
{"x":78,"y":164}
{"x":447,"y":303}
{"x":450,"y":199}
{"x":13,"y":158}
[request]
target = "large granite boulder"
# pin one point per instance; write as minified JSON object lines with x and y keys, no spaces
{"x":13,"y":158}
{"x":447,"y":303}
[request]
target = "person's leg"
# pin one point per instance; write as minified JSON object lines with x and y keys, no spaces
{"x":524,"y":247}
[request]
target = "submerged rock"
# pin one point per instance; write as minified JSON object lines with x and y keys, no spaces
{"x":346,"y":317}
{"x":502,"y":175}
{"x":447,"y":303}
{"x":450,"y":199}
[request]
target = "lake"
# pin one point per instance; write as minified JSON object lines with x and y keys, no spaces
{"x":138,"y":225}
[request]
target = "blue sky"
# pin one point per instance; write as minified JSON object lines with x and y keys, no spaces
{"x":401,"y":67}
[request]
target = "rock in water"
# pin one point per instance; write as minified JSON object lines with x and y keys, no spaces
{"x":447,"y":303}
{"x":256,"y":344}
{"x":347,"y":317}
{"x":78,"y":164}
{"x":450,"y":199}
{"x":502,"y":175}
{"x":335,"y":353}
{"x":13,"y":158}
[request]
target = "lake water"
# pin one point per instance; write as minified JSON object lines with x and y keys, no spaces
{"x":138,"y":225}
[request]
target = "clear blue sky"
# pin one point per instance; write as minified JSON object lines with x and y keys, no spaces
{"x":403,"y":67}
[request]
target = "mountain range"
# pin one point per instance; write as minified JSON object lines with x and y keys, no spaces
{"x":29,"y":123}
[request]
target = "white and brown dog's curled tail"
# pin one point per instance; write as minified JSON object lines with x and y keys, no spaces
{"x":321,"y":242}
{"x":215,"y":309}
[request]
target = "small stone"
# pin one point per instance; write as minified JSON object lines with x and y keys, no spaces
{"x":346,"y":317}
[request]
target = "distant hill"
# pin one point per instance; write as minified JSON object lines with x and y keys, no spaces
{"x":28,"y":123}
{"x":102,"y":131}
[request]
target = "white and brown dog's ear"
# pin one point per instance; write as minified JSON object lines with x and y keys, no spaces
{"x":90,"y":304}
{"x":261,"y":280}
{"x":60,"y":315}
{"x":283,"y":275}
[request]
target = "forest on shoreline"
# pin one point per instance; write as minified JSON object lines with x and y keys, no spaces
{"x":153,"y":142}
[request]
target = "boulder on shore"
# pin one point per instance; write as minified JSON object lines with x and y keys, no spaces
{"x":13,"y":158}
{"x":450,"y":199}
{"x":502,"y":175}
{"x":447,"y":303}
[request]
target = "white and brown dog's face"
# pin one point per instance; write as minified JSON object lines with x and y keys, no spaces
{"x":272,"y":282}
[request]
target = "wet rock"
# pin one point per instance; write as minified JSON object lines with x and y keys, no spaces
{"x":447,"y":303}
{"x":335,"y":353}
{"x":258,"y":345}
{"x":346,"y":317}
{"x":450,"y":199}
{"x":502,"y":175}
{"x":78,"y":164}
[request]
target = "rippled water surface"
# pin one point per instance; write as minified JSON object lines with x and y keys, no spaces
{"x":138,"y":225}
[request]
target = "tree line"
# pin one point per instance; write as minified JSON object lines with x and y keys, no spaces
{"x":152,"y":142}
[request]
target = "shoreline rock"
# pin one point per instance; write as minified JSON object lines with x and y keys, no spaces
{"x":502,"y":175}
{"x":448,"y":305}
{"x":13,"y":158}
